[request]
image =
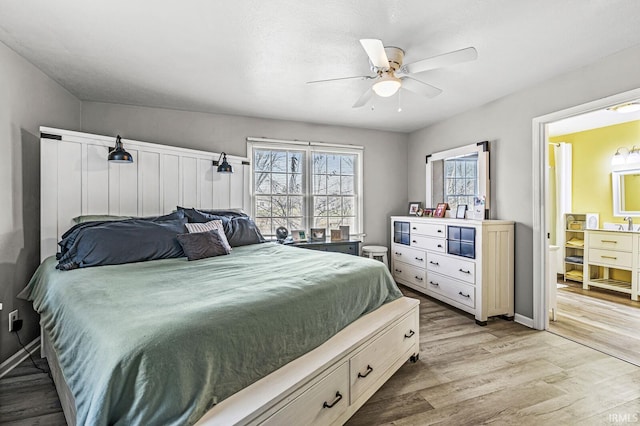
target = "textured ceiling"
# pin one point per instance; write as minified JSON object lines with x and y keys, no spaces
{"x":253,"y":57}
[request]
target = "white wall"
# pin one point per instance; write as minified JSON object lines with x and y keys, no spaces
{"x":507,"y":124}
{"x":385,"y":153}
{"x":28,"y":99}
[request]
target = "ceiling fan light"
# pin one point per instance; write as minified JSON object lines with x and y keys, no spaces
{"x":387,"y":85}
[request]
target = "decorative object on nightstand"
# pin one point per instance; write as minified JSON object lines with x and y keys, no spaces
{"x":336,"y":235}
{"x":318,"y":234}
{"x":281,"y":233}
{"x":298,"y":235}
{"x":461,"y":210}
{"x":376,"y":252}
{"x":344,"y":232}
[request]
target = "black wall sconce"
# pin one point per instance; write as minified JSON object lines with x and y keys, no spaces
{"x":224,"y":166}
{"x":118,"y":154}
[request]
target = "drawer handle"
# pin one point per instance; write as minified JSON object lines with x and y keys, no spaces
{"x":418,"y":278}
{"x":414,"y":241}
{"x":419,"y":259}
{"x":411,"y":333}
{"x":464,"y":295}
{"x":609,"y":241}
{"x":414,"y":228}
{"x":335,"y":401}
{"x":434,"y":283}
{"x":398,"y":270}
{"x":440,"y":230}
{"x":369,"y":370}
{"x":434,"y":263}
{"x":608,"y":257}
{"x":439,"y":245}
{"x":398,"y":254}
{"x":463,"y":271}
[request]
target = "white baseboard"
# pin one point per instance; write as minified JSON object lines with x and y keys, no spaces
{"x":521,"y":319}
{"x":19,"y":356}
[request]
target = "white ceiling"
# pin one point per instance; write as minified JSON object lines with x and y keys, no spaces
{"x":253,"y":57}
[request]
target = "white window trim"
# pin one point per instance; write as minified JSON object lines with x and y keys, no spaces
{"x":311,"y":147}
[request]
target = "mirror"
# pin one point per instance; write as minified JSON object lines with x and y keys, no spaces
{"x":460,"y":176}
{"x":626,"y":192}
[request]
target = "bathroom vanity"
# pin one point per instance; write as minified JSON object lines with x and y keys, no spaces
{"x":612,"y":260}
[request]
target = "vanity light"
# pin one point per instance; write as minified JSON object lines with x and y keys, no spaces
{"x":223,"y":167}
{"x":620,"y":158}
{"x":634,"y":156}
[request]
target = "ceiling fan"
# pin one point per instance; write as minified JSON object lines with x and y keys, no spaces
{"x":391,"y":74}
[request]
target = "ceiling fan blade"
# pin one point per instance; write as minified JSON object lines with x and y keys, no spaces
{"x":446,"y":59}
{"x":375,"y":52}
{"x":361,"y":77}
{"x":363,"y":99}
{"x":420,"y":87}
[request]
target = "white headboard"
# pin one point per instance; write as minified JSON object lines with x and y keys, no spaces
{"x":76,"y":179}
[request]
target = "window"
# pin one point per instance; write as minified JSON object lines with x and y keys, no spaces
{"x":461,"y":181}
{"x":303,"y":185}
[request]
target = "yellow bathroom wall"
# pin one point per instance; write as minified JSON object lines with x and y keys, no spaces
{"x":591,"y":179}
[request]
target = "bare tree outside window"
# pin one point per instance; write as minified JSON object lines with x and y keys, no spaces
{"x":461,"y":182}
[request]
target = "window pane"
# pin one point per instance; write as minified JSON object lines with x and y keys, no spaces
{"x":347,"y":167}
{"x":279,"y":161}
{"x":263,"y":206}
{"x":262,"y":160}
{"x":295,"y":184}
{"x":333,"y":184}
{"x":333,"y":164}
{"x":334,"y":206}
{"x":459,"y":168}
{"x":470,"y":186}
{"x":335,"y":222}
{"x":450,"y":186}
{"x":295,"y":206}
{"x":262,"y":182}
{"x":460,"y":187}
{"x":319,"y":206}
{"x":347,"y":185}
{"x":295,"y":162}
{"x":264,"y":225}
{"x":278,"y":183}
{"x":279,"y":206}
{"x":319,"y":163}
{"x":471,"y":169}
{"x":347,"y":206}
{"x":449,"y":168}
{"x":319,"y":184}
{"x":278,"y":222}
{"x":294,"y":223}
{"x":320,"y":222}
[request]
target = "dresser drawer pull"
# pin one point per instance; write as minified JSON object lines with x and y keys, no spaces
{"x":398,"y":270}
{"x":434,"y":263}
{"x":414,"y":228}
{"x":418,"y":278}
{"x":369,"y":370}
{"x":434,"y":283}
{"x":414,"y":241}
{"x":335,"y":401}
{"x":609,"y":257}
{"x":398,"y":253}
{"x":609,"y":241}
{"x":419,"y":259}
{"x":464,"y":295}
{"x":463,"y":271}
{"x":440,"y":230}
{"x":439,"y":245}
{"x":411,"y":333}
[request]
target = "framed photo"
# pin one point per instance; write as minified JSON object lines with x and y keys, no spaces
{"x":318,"y":234}
{"x":298,"y":235}
{"x":460,"y":212}
{"x":414,"y":206}
{"x":336,"y":235}
{"x":440,"y":210}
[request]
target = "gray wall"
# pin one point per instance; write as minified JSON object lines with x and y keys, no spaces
{"x":507,"y":124}
{"x":385,"y":189}
{"x":28,"y":100}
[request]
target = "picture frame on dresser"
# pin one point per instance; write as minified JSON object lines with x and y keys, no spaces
{"x":461,"y":211}
{"x":298,"y":235}
{"x":318,"y":234}
{"x":441,"y":210}
{"x":414,"y":206}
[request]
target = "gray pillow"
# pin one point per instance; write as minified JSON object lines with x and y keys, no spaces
{"x":242,"y":231}
{"x":125,"y":241}
{"x":200,"y":245}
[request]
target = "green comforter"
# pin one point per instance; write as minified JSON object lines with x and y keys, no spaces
{"x":161,"y":342}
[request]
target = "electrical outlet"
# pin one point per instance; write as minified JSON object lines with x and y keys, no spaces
{"x":13,"y":315}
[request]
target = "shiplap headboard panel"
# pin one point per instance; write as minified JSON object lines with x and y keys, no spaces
{"x":76,"y":179}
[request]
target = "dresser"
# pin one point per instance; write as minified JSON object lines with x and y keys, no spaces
{"x":464,"y":263}
{"x":612,"y":261}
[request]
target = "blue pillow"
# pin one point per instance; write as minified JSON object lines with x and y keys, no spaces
{"x":126,"y":241}
{"x":242,"y":231}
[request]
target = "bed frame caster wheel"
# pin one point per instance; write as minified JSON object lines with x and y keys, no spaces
{"x":414,"y":358}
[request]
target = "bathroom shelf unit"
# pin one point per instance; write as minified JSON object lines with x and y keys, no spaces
{"x":573,"y":266}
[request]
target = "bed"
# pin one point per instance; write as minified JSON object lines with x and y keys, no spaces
{"x":269,"y":334}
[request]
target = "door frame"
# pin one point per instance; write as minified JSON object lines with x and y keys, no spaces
{"x":541,"y":194}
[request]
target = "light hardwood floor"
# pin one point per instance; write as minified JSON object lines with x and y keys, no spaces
{"x":602,"y":319}
{"x":502,"y":374}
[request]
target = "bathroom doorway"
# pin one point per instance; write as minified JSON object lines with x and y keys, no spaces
{"x":600,"y":318}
